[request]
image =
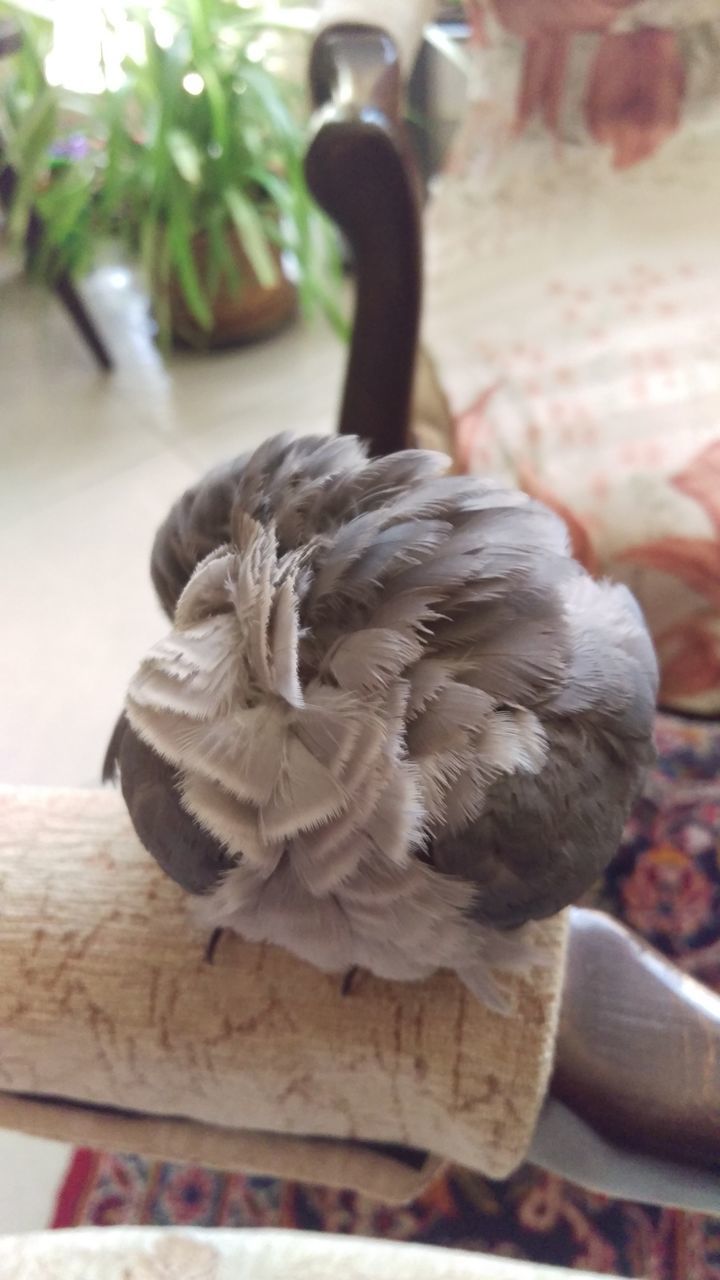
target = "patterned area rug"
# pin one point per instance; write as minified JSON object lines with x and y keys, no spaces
{"x":665,"y":883}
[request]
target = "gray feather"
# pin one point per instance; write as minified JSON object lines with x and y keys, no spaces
{"x":192,"y":857}
{"x":391,"y":713}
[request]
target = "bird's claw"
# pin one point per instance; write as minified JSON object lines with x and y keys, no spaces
{"x":349,"y":981}
{"x":212,"y":945}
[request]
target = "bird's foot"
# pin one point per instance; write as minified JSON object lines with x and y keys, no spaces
{"x":212,"y":945}
{"x":348,"y":981}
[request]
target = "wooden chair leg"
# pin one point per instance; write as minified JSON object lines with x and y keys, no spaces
{"x":64,"y":288}
{"x":359,"y":169}
{"x":74,"y":305}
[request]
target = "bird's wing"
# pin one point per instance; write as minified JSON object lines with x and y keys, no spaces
{"x":543,"y":838}
{"x":306,"y":486}
{"x":198,"y":523}
{"x":278,"y":482}
{"x":189,"y":855}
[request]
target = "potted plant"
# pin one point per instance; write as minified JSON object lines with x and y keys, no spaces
{"x":191,"y":157}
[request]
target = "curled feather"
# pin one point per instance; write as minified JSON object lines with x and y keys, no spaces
{"x":406,"y":718}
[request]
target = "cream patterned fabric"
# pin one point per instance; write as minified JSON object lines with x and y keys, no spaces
{"x":117,"y":1033}
{"x":573,"y":273}
{"x":126,"y":1253}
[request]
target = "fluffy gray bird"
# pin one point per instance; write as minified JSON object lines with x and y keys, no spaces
{"x":392,"y":721}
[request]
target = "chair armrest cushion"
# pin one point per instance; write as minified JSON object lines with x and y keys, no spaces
{"x":117,"y":1032}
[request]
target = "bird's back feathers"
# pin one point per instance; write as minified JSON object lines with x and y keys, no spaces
{"x":386,"y":690}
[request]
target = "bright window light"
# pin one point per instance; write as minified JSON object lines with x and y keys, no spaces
{"x":193,"y":83}
{"x":88,"y":52}
{"x":256,"y":50}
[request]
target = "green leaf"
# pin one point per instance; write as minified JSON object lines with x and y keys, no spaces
{"x":217,"y":101}
{"x":221,"y":262}
{"x":147,"y":243}
{"x":183,"y":262}
{"x":278,"y":190}
{"x":164,"y":166}
{"x":249,"y":227}
{"x":185,"y":155}
{"x":197,"y":13}
{"x":272,"y":101}
{"x":66,"y":200}
{"x":29,"y":154}
{"x":158,"y":277}
{"x":35,"y":132}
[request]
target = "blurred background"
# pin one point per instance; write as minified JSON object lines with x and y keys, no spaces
{"x":170,"y":295}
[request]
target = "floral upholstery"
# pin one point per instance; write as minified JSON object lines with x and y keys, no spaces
{"x":573,"y":273}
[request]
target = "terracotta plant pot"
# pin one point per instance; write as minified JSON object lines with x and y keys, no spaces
{"x":243,"y":314}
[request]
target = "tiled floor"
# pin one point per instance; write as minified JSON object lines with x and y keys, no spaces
{"x":88,"y":466}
